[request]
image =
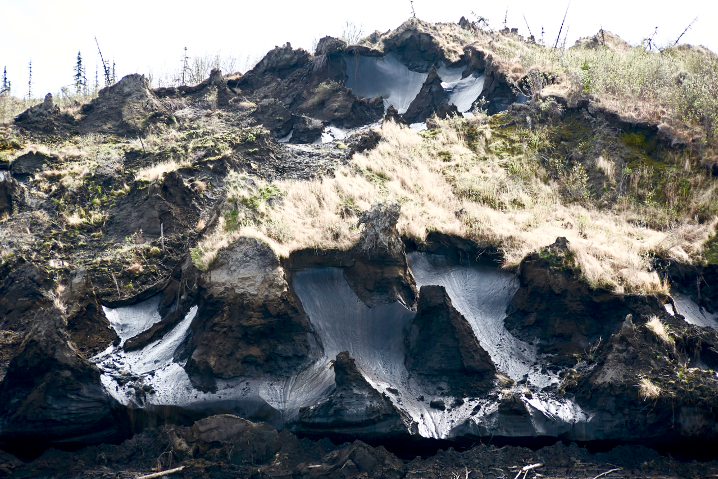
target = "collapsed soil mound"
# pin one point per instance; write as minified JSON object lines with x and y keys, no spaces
{"x":121,"y":108}
{"x":249,"y":322}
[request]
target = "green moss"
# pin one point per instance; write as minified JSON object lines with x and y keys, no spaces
{"x":444,"y":155}
{"x":633,"y":139}
{"x":710,"y":250}
{"x":641,"y":150}
{"x":562,"y":260}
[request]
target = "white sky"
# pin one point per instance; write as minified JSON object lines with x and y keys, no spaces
{"x":151,"y":34}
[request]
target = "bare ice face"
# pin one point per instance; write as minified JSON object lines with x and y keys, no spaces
{"x":387,"y":77}
{"x":693,"y":313}
{"x":374,"y":337}
{"x":130,"y":321}
{"x":462,"y":92}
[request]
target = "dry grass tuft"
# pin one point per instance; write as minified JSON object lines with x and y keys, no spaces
{"x":56,"y":297}
{"x":504,"y":381}
{"x":75,"y":219}
{"x":40,"y":215}
{"x":152,"y":173}
{"x":661,"y":331}
{"x":199,"y":186}
{"x":135,"y":267}
{"x":608,"y":167}
{"x":648,"y":390}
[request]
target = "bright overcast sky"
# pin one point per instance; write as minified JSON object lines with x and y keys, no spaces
{"x":151,"y":34}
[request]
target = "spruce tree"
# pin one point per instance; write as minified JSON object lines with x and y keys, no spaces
{"x":80,"y":81}
{"x":5,"y":87}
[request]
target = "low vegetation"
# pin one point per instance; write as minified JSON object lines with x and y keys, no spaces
{"x":152,"y":173}
{"x":467,"y":178}
{"x":514,"y":181}
{"x":656,"y":326}
{"x":648,"y":390}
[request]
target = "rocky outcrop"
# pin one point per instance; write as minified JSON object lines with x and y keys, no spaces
{"x":415,"y":44}
{"x":169,"y":208}
{"x":447,"y":111}
{"x":364,"y":142}
{"x":698,"y":281}
{"x":330,"y":46}
{"x":216,"y":84}
{"x":442,"y":352}
{"x":380,"y":273}
{"x":309,"y":86}
{"x":246,"y":453}
{"x":22,"y":291}
{"x":249,"y":324}
{"x":216,"y":446}
{"x":563,"y":312}
{"x":333,"y":103}
{"x":275,"y":117}
{"x":51,"y":394}
{"x":279,"y":62}
{"x":354,"y":409}
{"x":46,"y":117}
{"x":46,"y":108}
{"x":497,"y":92}
{"x":260,"y":442}
{"x":431,"y":96}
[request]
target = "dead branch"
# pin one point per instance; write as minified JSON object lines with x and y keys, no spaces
{"x":562,"y":22}
{"x":527,"y":25}
{"x":526,"y":470}
{"x":684,"y":31}
{"x":160,"y":474}
{"x":607,"y":472}
{"x":118,"y":286}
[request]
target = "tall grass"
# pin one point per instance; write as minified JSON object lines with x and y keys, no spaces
{"x":444,"y":186}
{"x":675,"y":83}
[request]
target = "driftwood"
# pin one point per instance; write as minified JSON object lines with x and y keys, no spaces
{"x":607,"y":472}
{"x":160,"y":474}
{"x":526,"y":470}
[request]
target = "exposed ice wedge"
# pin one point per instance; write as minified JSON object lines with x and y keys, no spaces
{"x":693,"y":313}
{"x":481,"y":294}
{"x":387,"y":77}
{"x":129,"y":321}
{"x":462,"y":92}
